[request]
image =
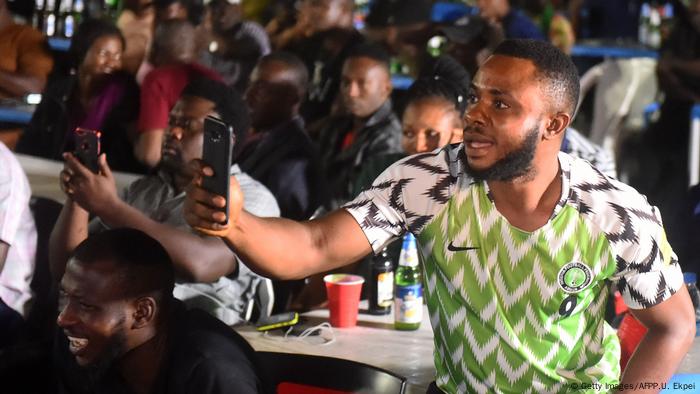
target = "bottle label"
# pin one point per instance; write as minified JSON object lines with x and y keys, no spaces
{"x":385,"y":289}
{"x":409,"y":304}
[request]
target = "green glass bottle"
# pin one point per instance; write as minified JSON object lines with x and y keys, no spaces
{"x":408,"y":299}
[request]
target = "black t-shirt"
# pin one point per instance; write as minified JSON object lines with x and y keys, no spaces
{"x":204,"y":357}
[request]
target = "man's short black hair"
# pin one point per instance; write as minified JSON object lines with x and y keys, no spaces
{"x":143,"y":265}
{"x":228,"y":103}
{"x":294,"y":63}
{"x":553,"y":65}
{"x":371,"y":51}
{"x":85,"y":36}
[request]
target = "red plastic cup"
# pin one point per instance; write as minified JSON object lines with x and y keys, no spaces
{"x":343,"y":292}
{"x":630,"y":333}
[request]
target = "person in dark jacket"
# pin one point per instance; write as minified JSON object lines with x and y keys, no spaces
{"x":279,"y":153}
{"x":94,"y":94}
{"x":368,"y":129}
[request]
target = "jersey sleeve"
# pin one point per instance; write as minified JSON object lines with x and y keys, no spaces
{"x":653,"y":274}
{"x":379,"y":210}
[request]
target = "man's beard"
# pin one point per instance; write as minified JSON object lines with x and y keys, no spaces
{"x":516,"y":164}
{"x":100,"y":368}
{"x":174,"y":165}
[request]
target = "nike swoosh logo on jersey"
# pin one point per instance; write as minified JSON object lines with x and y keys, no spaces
{"x":453,"y":248}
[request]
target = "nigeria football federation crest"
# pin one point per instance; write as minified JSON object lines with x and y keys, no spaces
{"x":574,"y":277}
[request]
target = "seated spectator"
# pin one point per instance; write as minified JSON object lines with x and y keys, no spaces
{"x":173,"y":56}
{"x":470,"y":40}
{"x":314,"y":16}
{"x":403,"y":28}
{"x":192,"y":11}
{"x":553,"y":22}
{"x":279,"y":153}
{"x":368,"y":127}
{"x":94,"y":94}
{"x":513,"y":22}
{"x":136,"y":22}
{"x":25,"y":63}
{"x":236,"y":45}
{"x":209,"y":277}
{"x":17,"y":247}
{"x":122,"y":330}
{"x":322,"y":37}
{"x":25,"y":60}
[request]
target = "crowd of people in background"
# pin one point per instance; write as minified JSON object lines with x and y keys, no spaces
{"x":310,"y":95}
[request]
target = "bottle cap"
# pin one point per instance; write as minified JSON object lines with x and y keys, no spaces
{"x":409,"y":253}
{"x":690,"y":277}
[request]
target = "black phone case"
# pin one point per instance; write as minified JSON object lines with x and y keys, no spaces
{"x":216,"y":152}
{"x":87,"y":148}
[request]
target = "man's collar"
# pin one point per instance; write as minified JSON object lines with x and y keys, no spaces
{"x":380,"y":114}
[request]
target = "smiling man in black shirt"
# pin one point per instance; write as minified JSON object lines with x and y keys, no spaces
{"x":123,"y":332}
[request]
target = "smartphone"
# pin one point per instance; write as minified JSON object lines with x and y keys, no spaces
{"x":277,"y":321}
{"x":87,"y":148}
{"x":216,"y":153}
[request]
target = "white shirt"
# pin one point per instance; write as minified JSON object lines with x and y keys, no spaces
{"x":17,"y":229}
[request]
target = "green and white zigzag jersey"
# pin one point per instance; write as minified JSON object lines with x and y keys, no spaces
{"x":515,"y":311}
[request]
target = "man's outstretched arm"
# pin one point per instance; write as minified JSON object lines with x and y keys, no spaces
{"x":276,"y":247}
{"x":196,"y":259}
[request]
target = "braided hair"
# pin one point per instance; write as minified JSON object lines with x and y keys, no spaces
{"x":444,"y":79}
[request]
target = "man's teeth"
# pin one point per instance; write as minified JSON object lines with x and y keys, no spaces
{"x":77,"y":343}
{"x":477,"y":144}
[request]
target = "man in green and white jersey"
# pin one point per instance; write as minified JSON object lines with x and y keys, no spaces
{"x":519,"y":242}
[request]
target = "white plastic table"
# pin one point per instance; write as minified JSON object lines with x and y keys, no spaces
{"x":374,"y":341}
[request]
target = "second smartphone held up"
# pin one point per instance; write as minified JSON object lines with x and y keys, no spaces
{"x":87,"y":148}
{"x":216,"y":153}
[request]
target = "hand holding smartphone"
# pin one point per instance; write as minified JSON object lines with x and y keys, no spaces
{"x":87,"y":148}
{"x":216,"y":153}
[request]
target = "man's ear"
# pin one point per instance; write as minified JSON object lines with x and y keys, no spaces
{"x":557,"y":125}
{"x":144,"y":312}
